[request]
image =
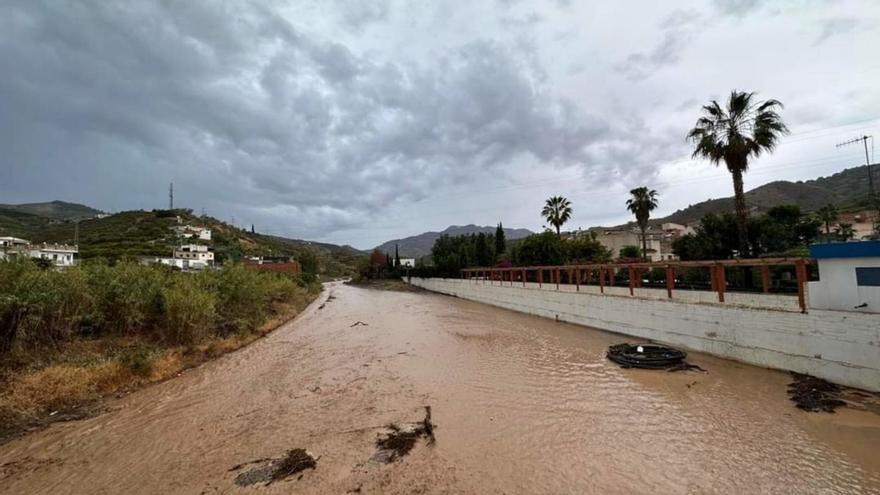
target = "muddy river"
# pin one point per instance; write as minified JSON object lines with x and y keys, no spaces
{"x":521,"y":405}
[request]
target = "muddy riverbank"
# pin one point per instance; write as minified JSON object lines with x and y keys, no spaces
{"x":519,"y":404}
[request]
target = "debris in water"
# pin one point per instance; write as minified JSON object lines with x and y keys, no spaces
{"x":358,"y":323}
{"x":686,"y":366}
{"x":329,"y":298}
{"x":271,"y":470}
{"x":400,"y":440}
{"x":649,"y":356}
{"x":814,"y":394}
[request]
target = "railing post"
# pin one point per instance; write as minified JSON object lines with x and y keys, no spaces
{"x":540,"y":277}
{"x":670,"y":280}
{"x":801,"y":272}
{"x":601,"y":279}
{"x":524,"y":273}
{"x":720,"y":281}
{"x":765,"y":278}
{"x":632,"y":279}
{"x":577,"y":279}
{"x":557,"y":278}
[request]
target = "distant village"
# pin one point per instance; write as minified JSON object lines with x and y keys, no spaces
{"x":193,"y":252}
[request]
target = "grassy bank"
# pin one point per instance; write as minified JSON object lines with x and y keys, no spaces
{"x":69,"y":338}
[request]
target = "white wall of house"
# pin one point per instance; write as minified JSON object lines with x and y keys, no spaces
{"x":835,"y":345}
{"x":59,"y":255}
{"x":195,"y":252}
{"x":838,"y":287}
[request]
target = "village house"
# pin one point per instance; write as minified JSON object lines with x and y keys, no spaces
{"x":11,"y":247}
{"x":60,"y":255}
{"x":195,"y":253}
{"x":191,"y":232}
{"x":659,"y":247}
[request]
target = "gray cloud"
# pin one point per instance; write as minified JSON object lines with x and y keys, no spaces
{"x":247,"y":109}
{"x":323,"y":119}
{"x":678,"y":29}
{"x":834,"y":27}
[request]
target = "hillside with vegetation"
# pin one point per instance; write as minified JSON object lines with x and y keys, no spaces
{"x":848,"y":190}
{"x":55,"y":210}
{"x":149,"y":233}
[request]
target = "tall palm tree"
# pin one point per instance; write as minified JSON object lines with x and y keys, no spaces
{"x":557,"y":210}
{"x":734,"y":134}
{"x":641,"y":203}
{"x":827,"y":215}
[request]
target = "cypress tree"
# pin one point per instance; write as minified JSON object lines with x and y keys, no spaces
{"x":500,"y":242}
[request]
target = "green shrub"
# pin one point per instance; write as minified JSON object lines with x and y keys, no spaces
{"x":139,"y":361}
{"x":189,"y":312}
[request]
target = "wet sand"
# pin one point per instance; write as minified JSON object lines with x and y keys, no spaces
{"x":521,"y":405}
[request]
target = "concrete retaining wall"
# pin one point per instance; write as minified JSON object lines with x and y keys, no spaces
{"x":839,"y":346}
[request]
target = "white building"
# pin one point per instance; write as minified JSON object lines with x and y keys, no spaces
{"x":60,"y":255}
{"x":183,"y":264}
{"x":195,"y":252}
{"x":615,"y":239}
{"x":190,"y":232}
{"x":11,"y":247}
{"x":408,"y":262}
{"x":849,"y":277}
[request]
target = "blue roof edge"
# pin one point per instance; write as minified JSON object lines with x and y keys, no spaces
{"x":860,"y":249}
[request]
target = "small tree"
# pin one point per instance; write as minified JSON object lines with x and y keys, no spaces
{"x":630,"y":252}
{"x":827,"y":215}
{"x":845,"y":231}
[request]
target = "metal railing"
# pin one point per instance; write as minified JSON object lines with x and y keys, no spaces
{"x":605,"y":275}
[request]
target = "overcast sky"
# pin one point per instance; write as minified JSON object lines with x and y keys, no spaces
{"x":360,"y":121}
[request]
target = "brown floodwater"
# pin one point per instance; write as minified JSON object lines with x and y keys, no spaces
{"x":521,"y":405}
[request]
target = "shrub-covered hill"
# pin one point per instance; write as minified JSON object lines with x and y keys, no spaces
{"x":149,"y":233}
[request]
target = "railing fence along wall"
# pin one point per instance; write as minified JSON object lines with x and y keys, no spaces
{"x":775,"y":274}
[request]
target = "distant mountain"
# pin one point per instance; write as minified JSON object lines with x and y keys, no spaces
{"x":420,"y":245}
{"x":55,"y":210}
{"x":847,"y":189}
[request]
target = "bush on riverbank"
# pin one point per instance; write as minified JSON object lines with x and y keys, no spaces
{"x":68,"y":336}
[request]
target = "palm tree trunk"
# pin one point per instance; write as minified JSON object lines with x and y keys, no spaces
{"x":644,"y":246}
{"x":741,"y":212}
{"x":557,"y":231}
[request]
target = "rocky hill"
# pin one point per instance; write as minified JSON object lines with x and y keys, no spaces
{"x":420,"y":245}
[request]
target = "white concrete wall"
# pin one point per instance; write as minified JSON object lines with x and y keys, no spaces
{"x":842,"y":347}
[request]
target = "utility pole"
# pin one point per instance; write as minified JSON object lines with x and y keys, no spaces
{"x":171,"y":196}
{"x":872,"y":199}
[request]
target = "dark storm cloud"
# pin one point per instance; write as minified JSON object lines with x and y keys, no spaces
{"x":244,"y":110}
